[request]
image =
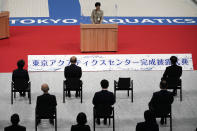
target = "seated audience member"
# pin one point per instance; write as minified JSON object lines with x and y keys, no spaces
{"x":173,"y":73}
{"x":81,"y":121}
{"x":20,"y":77}
{"x":103,"y":101}
{"x":72,"y":73}
{"x":161,"y":101}
{"x":150,"y":123}
{"x":15,"y":126}
{"x":46,"y":104}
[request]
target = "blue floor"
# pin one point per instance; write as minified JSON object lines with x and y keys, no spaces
{"x":64,"y":8}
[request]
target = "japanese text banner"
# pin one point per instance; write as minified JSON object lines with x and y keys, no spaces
{"x":108,"y":62}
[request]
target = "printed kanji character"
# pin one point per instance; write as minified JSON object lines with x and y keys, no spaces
{"x":152,"y":62}
{"x":160,"y":62}
{"x":144,"y":62}
{"x":44,"y":63}
{"x":184,"y":61}
{"x":167,"y":62}
{"x":35,"y":62}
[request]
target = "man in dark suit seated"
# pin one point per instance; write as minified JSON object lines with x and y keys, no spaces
{"x":46,"y":104}
{"x":15,"y":126}
{"x":73,"y":74}
{"x":81,"y":121}
{"x":172,"y":74}
{"x":20,"y":77}
{"x":103,"y":101}
{"x":150,"y":123}
{"x":161,"y":101}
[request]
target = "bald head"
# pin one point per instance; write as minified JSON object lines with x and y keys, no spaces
{"x":45,"y":88}
{"x":73,"y":60}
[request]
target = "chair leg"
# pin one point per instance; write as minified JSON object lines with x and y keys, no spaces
{"x":63,"y":93}
{"x":132,"y":95}
{"x":56,"y":124}
{"x":93,"y":122}
{"x":181,"y":94}
{"x":63,"y":97}
{"x":128,"y":93}
{"x":81,"y":95}
{"x":35,"y":124}
{"x":115,"y":93}
{"x":113,"y":123}
{"x":14,"y":94}
{"x":165,"y":120}
{"x":11,"y":97}
{"x":171,"y":122}
{"x":30,"y":97}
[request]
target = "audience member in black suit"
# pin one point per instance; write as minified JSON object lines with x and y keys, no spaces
{"x":46,"y":104}
{"x":20,"y":77}
{"x":172,"y":74}
{"x":15,"y":126}
{"x":72,"y":73}
{"x":81,"y":121}
{"x":150,"y":123}
{"x":103,"y":101}
{"x":161,"y":101}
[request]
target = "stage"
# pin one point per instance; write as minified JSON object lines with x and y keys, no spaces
{"x":61,"y":40}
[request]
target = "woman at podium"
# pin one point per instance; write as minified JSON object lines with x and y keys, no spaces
{"x":97,"y":14}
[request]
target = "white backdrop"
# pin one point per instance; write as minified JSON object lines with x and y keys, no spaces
{"x":108,"y":62}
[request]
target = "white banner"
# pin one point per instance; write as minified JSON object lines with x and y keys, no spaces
{"x":108,"y":62}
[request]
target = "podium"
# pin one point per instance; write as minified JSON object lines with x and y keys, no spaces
{"x":4,"y":24}
{"x":99,"y":37}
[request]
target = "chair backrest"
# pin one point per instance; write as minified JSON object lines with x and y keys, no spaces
{"x":173,"y":82}
{"x":46,"y":115}
{"x":163,"y":105}
{"x":73,"y":83}
{"x":46,"y":105}
{"x":20,"y":84}
{"x":103,"y":112}
{"x":124,"y":83}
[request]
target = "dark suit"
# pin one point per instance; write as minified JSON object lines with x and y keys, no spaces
{"x":172,"y":75}
{"x":72,"y":71}
{"x":161,"y":102}
{"x":73,"y":74}
{"x":80,"y":128}
{"x":20,"y":77}
{"x":103,"y":100}
{"x":147,"y":126}
{"x":46,"y":105}
{"x":15,"y":128}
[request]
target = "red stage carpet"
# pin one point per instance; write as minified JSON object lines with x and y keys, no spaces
{"x":38,"y":40}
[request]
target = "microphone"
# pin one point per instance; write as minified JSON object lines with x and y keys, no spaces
{"x":116,"y":11}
